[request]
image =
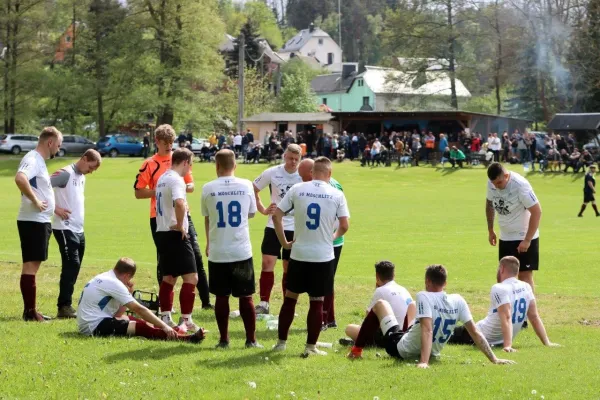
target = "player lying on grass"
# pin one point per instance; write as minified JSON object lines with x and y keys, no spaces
{"x":512,"y":303}
{"x":106,"y":297}
{"x":437,"y":315}
{"x":369,"y":334}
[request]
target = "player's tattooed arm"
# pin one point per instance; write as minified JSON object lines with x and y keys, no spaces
{"x":480,"y":341}
{"x":489,"y":214}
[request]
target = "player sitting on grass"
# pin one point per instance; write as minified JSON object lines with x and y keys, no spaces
{"x":104,"y":300}
{"x":369,"y":334}
{"x":437,"y":314}
{"x":512,"y":303}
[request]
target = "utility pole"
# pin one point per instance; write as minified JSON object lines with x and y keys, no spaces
{"x":341,"y":50}
{"x":241,"y":56}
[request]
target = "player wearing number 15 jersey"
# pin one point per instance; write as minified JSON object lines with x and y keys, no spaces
{"x":175,"y":253}
{"x":317,"y":207}
{"x":437,"y":315}
{"x":512,"y":303}
{"x":227,"y":204}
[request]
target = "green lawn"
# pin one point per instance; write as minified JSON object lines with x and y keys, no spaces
{"x":414,"y":217}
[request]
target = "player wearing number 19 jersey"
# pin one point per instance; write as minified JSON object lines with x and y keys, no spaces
{"x":227,"y":204}
{"x":317,"y":208}
{"x":437,"y":315}
{"x":512,"y":303}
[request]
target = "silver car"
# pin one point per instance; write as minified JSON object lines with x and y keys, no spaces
{"x":75,"y":145}
{"x":16,"y":143}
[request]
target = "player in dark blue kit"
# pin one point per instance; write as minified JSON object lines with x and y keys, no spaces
{"x":589,"y":191}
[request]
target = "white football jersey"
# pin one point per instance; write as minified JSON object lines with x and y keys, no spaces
{"x":33,"y":166}
{"x":317,"y":206}
{"x":518,"y":295}
{"x":227,"y":201}
{"x":69,"y":195}
{"x":445,"y":311}
{"x":101,"y":298}
{"x":398,"y":297}
{"x":279,"y":182}
{"x":511,"y":205}
{"x":170,"y":187}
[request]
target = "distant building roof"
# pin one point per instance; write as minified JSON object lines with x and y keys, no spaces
{"x":311,"y":61}
{"x":331,"y":83}
{"x":297,"y":42}
{"x":430,"y":64}
{"x":390,"y":81}
{"x":575,"y":122}
{"x":291,"y":117}
{"x":228,"y":43}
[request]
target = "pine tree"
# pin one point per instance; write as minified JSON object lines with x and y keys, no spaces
{"x":252,"y":50}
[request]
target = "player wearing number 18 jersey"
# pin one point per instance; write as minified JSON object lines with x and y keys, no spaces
{"x":317,"y":207}
{"x":175,"y":253}
{"x":437,"y":315}
{"x":512,"y":303}
{"x":227,"y":204}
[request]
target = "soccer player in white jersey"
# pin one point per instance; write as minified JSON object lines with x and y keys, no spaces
{"x":519,"y":212}
{"x":437,"y":315}
{"x":104,"y":301}
{"x":175,"y":253}
{"x":67,"y":224}
{"x":512,"y":303}
{"x":227,"y":204}
{"x":279,"y":179}
{"x":35,"y":214}
{"x":317,"y":208}
{"x":369,"y":334}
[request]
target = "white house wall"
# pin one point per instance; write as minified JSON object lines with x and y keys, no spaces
{"x":321,"y":51}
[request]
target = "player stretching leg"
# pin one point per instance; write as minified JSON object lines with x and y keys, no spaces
{"x":279,"y":179}
{"x":175,"y":253}
{"x":512,"y":303}
{"x":106,"y":297}
{"x":317,"y":207}
{"x":437,"y":314}
{"x":227,"y":204}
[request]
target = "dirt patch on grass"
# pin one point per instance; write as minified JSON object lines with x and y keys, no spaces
{"x":586,"y":322}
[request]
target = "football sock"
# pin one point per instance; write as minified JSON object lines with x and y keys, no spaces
{"x":249,"y":317}
{"x":314,"y":321}
{"x":165,"y":296}
{"x":595,"y":208}
{"x":186,"y":298}
{"x":149,"y":332}
{"x":328,"y":309}
{"x":284,"y":283}
{"x":137,"y":320}
{"x":222,"y":316}
{"x":28,"y":291}
{"x":266,"y":282}
{"x":367,"y":330}
{"x":286,"y":317}
{"x":583,"y":209}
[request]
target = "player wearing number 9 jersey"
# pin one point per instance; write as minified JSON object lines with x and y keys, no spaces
{"x":512,"y":303}
{"x":317,"y":207}
{"x":437,"y":315}
{"x":227,"y":204}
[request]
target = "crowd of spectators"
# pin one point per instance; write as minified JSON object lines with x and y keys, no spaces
{"x":548,"y":152}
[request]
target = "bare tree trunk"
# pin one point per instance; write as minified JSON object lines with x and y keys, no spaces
{"x":452,"y":57}
{"x":6,"y":66}
{"x":12,"y":102}
{"x":498,"y":61}
{"x":100,"y":100}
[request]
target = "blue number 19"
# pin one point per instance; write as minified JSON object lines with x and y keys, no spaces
{"x":313,"y":212}
{"x":519,"y":307}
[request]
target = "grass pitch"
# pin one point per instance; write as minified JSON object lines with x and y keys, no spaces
{"x":414,"y":217}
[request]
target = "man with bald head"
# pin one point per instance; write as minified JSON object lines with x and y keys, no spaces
{"x":305,"y":170}
{"x":318,"y":207}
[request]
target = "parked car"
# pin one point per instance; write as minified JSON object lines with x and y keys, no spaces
{"x":114,"y":145}
{"x":197,"y":145}
{"x":75,"y":145}
{"x":16,"y":143}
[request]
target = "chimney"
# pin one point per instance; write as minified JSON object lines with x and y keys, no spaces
{"x":347,"y":70}
{"x":311,"y":27}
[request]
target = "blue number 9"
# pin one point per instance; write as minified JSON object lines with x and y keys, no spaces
{"x":313,"y":212}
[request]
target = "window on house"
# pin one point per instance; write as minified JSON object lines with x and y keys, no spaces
{"x":67,"y":38}
{"x":320,"y":41}
{"x":366,"y":101}
{"x":361,"y":83}
{"x":329,"y":58}
{"x":325,"y":100}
